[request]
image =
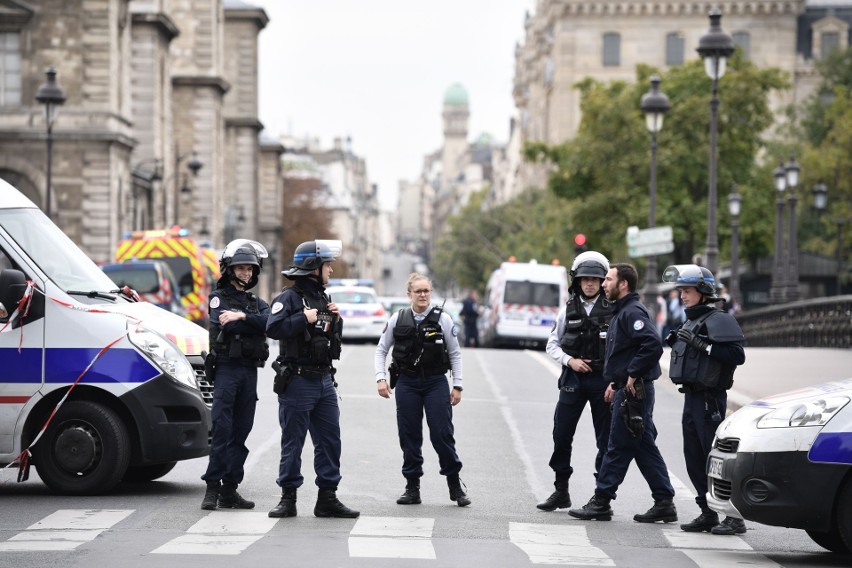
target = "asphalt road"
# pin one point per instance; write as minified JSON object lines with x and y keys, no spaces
{"x":503,"y":429}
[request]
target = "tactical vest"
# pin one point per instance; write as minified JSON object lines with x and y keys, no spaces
{"x":420,"y":349}
{"x":242,"y":349}
{"x":585,"y":334}
{"x":322,"y":341}
{"x":695,"y":368}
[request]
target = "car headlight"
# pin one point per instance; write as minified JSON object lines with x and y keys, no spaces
{"x":814,"y":412}
{"x":163,"y":353}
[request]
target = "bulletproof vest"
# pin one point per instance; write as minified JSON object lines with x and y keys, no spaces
{"x":420,"y":349}
{"x":321,"y":342}
{"x":246,"y":349}
{"x":694,"y":367}
{"x":585,"y":334}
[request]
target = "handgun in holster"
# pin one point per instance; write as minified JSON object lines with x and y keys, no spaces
{"x":633,"y":409}
{"x":210,"y":366}
{"x":283,"y":376}
{"x":393,"y":371}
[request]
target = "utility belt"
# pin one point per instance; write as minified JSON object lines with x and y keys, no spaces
{"x":422,"y":372}
{"x":310,"y":371}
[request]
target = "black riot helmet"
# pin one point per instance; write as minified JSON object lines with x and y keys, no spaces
{"x":691,"y":275}
{"x":589,"y":264}
{"x":242,"y":251}
{"x":311,"y":255}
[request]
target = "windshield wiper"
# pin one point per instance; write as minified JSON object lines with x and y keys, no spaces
{"x":92,"y":294}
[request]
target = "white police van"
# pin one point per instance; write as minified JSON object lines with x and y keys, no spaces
{"x":95,"y":388}
{"x":787,"y":461}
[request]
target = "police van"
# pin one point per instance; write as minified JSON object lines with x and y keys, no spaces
{"x":522,"y":302}
{"x":95,"y":387}
{"x":787,"y":461}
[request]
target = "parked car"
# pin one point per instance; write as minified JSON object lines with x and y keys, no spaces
{"x":153,"y":280}
{"x":787,"y":461}
{"x":394,"y":303}
{"x":364,"y":316}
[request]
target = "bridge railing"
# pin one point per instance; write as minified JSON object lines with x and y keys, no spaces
{"x":817,"y":322}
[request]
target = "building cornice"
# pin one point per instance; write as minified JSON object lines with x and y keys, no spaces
{"x":675,"y":8}
{"x":252,"y":123}
{"x":165,"y":25}
{"x":218,"y":83}
{"x":256,"y":15}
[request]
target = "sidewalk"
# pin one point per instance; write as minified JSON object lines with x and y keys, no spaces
{"x":768,"y":371}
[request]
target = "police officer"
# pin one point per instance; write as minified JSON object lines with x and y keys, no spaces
{"x":425,"y":346}
{"x":632,"y":364}
{"x":706,"y":349}
{"x":308,"y":326}
{"x":578,"y":342}
{"x":237,"y":348}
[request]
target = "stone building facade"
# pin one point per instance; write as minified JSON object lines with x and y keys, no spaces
{"x":152,"y":87}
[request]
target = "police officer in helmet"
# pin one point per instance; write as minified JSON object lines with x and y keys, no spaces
{"x":706,"y":349}
{"x":237,"y":348}
{"x":308,"y":326}
{"x":578,"y":341}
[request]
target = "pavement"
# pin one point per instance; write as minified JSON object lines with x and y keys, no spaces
{"x":769,"y":370}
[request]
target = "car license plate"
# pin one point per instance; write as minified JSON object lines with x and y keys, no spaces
{"x":715,"y":467}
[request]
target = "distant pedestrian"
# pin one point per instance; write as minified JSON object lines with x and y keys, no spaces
{"x":633,"y":350}
{"x":470,"y":315}
{"x":424,"y":344}
{"x":706,"y":351}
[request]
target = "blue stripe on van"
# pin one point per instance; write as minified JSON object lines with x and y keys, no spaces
{"x":64,"y":365}
{"x":832,"y":447}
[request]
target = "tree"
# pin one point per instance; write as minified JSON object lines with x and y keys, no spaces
{"x":604,"y":170}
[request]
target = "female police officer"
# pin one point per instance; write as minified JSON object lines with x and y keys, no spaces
{"x":308,"y":326}
{"x":425,"y":346}
{"x":238,"y":347}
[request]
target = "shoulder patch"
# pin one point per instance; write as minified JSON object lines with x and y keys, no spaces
{"x":638,"y":325}
{"x":455,"y":331}
{"x":277,"y":307}
{"x":214,"y":302}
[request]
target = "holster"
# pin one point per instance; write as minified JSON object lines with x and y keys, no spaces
{"x":210,"y":367}
{"x":633,"y":409}
{"x":393,"y":371}
{"x":283,"y":376}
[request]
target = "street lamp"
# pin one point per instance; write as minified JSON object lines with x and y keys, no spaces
{"x":735,"y":201}
{"x":51,"y":96}
{"x":792,"y":170}
{"x":820,"y":192}
{"x":181,"y":182}
{"x":777,"y":290}
{"x":714,"y":47}
{"x":655,"y":105}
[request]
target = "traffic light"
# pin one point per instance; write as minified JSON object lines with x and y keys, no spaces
{"x":580,"y":243}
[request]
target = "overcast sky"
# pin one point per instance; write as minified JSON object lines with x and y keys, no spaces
{"x":377,"y":70}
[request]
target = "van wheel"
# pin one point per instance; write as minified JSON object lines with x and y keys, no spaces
{"x":143,"y":473}
{"x":844,"y":515}
{"x":829,"y":540}
{"x":85,"y":450}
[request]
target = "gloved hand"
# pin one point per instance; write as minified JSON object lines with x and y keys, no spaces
{"x":671,"y":338}
{"x":688,"y":337}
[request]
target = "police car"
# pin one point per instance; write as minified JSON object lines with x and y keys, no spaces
{"x":787,"y":461}
{"x":364,"y":316}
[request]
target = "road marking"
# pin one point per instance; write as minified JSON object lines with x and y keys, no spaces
{"x":392,"y":537}
{"x":557,"y":544}
{"x":702,"y":540}
{"x":716,"y":558}
{"x":220,"y":532}
{"x":65,"y":529}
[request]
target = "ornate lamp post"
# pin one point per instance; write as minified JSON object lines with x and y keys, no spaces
{"x":820,"y":192}
{"x":777,"y":291}
{"x":655,"y":105}
{"x":714,"y":47}
{"x":792,"y":178}
{"x":52,"y":97}
{"x":735,"y":201}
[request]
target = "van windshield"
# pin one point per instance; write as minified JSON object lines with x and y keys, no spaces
{"x":53,"y":252}
{"x":532,"y":293}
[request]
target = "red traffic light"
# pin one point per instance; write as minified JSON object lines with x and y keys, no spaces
{"x":579,"y":239}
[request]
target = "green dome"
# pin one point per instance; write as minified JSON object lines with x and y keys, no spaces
{"x":456,"y":95}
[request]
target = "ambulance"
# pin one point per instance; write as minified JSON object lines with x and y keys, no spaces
{"x":190,"y":262}
{"x":522,"y":302}
{"x":95,"y":387}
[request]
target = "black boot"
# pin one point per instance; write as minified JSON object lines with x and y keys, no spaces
{"x":287,"y":505}
{"x":559,"y":499}
{"x":412,"y":492}
{"x":597,"y":509}
{"x":661,"y":511}
{"x":457,"y":494}
{"x":703,"y":522}
{"x":329,"y":506}
{"x":230,"y":499}
{"x":211,"y":496}
{"x":730,"y":526}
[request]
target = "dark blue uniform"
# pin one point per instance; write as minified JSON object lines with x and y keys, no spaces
{"x":240,"y":348}
{"x":633,"y":349}
{"x":309,"y":404}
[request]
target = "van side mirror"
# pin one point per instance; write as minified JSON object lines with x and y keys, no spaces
{"x":13,"y":284}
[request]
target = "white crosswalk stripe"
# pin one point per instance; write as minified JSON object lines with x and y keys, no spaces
{"x":221,"y":532}
{"x":66,"y":529}
{"x":392,"y":537}
{"x":557,"y":544}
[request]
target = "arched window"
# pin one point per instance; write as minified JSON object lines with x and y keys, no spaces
{"x":611,"y":49}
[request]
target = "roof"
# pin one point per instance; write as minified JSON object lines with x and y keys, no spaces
{"x":456,"y":95}
{"x":11,"y":198}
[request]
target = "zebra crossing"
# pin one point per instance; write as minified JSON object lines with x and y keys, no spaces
{"x":230,"y":533}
